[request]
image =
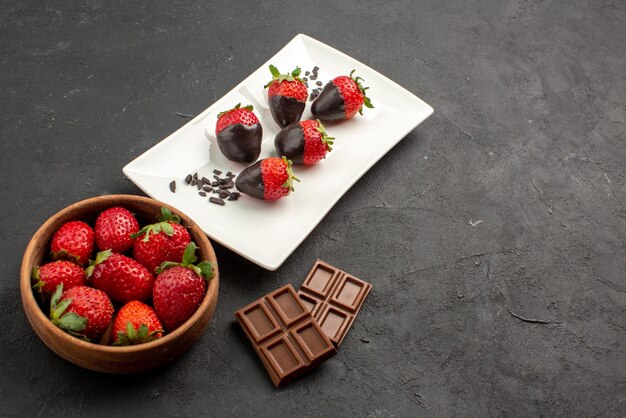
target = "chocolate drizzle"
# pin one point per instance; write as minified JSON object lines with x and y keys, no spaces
{"x":329,"y":105}
{"x":286,"y":110}
{"x":241,"y":143}
{"x":289,"y":142}
{"x":250,"y":181}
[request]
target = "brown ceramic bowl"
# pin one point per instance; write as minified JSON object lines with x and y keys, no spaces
{"x":106,"y":358}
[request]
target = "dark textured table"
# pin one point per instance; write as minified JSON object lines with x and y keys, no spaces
{"x":494,"y":234}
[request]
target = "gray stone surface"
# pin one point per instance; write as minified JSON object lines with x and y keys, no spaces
{"x":494,"y":234}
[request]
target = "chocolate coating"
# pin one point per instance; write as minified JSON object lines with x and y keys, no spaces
{"x":250,"y":181}
{"x":241,"y":143}
{"x":329,"y":105}
{"x":289,"y":142}
{"x":286,"y":110}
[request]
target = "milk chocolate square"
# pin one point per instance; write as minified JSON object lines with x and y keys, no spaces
{"x":334,"y":298}
{"x":284,"y":334}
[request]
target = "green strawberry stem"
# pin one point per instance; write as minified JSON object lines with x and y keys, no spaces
{"x":203,"y":269}
{"x":237,"y":106}
{"x":70,"y":322}
{"x":366,"y":100}
{"x":101,"y":257}
{"x":164,"y":224}
{"x":63,"y":254}
{"x":328,"y":140}
{"x":37,"y":279}
{"x":277,"y":76}
{"x":290,"y":177}
{"x":139,"y":336}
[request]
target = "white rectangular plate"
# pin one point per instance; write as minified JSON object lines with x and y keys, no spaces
{"x":266,"y":233}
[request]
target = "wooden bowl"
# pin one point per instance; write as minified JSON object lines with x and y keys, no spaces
{"x":105,"y":358}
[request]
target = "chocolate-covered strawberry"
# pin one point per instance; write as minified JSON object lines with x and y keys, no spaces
{"x":341,"y":98}
{"x":287,"y":96}
{"x":304,"y":142}
{"x":268,"y":179}
{"x":239,"y":134}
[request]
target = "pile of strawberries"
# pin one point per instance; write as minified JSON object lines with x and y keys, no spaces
{"x":150,"y":273}
{"x":239,"y":133}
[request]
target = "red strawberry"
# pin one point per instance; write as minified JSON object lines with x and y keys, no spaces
{"x":287,"y":96}
{"x":114,"y":228}
{"x":304,"y":142}
{"x":82,"y":311}
{"x":136,"y":323}
{"x":268,"y":179}
{"x":74,"y":241}
{"x":239,"y":134}
{"x":163,"y":241}
{"x":50,"y":275}
{"x":180,"y":287}
{"x":341,"y":98}
{"x":121,"y":277}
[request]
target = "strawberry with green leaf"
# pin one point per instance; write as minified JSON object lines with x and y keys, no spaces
{"x":305,"y":142}
{"x":287,"y":94}
{"x":341,"y":98}
{"x":268,"y":179}
{"x":47,"y":277}
{"x":121,"y":277}
{"x":180,"y":287}
{"x":136,"y":323}
{"x":81,"y":311}
{"x":239,"y":134}
{"x":162,"y":241}
{"x":73,"y":241}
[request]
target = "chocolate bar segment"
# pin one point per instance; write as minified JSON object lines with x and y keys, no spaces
{"x":334,"y":298}
{"x":284,"y":335}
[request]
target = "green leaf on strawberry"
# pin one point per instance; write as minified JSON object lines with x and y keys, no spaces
{"x":164,"y":224}
{"x":134,"y":336}
{"x":101,"y":257}
{"x":70,"y":321}
{"x":203,"y":269}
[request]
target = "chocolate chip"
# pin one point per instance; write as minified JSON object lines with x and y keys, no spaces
{"x":319,"y":83}
{"x":194,"y":182}
{"x":188,"y":178}
{"x":195,"y":176}
{"x":313,"y":77}
{"x":206,"y":180}
{"x":235,"y":194}
{"x":216,"y":201}
{"x":214,"y":184}
{"x":199,"y":184}
{"x":307,"y":72}
{"x":216,"y":171}
{"x":316,"y":69}
{"x":305,"y":79}
{"x":207,"y":189}
{"x":203,"y":194}
{"x":216,"y":178}
{"x":173,"y":186}
{"x":223,"y":194}
{"x":229,"y":174}
{"x":233,"y":198}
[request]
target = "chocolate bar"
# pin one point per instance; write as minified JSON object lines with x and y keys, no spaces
{"x":284,"y":335}
{"x":334,"y":298}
